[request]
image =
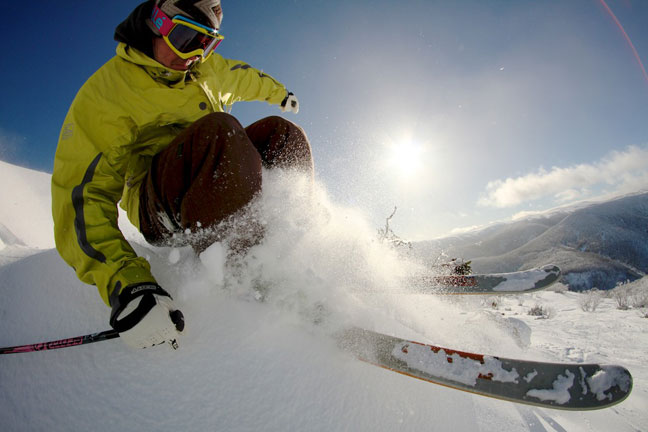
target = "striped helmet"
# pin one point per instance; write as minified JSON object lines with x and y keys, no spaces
{"x":206,"y":12}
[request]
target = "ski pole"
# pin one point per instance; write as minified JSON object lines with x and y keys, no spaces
{"x":62,"y":343}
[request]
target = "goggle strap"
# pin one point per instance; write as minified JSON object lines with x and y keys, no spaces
{"x":161,"y":21}
{"x":207,"y":30}
{"x":212,"y":45}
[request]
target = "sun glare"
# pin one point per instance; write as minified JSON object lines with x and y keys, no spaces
{"x":405,"y":157}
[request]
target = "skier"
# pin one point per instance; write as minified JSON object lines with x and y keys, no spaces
{"x":149,"y":131}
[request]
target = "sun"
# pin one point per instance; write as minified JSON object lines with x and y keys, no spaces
{"x":405,"y":157}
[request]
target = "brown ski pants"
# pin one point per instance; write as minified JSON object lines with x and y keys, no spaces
{"x":211,"y":170}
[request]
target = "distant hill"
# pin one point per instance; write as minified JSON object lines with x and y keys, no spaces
{"x":597,"y":245}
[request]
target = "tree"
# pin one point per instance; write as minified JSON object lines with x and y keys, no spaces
{"x":386,"y":235}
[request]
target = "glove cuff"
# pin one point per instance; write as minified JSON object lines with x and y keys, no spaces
{"x":283,"y":102}
{"x":119,"y":301}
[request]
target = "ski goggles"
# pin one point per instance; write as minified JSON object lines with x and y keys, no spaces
{"x":186,"y":37}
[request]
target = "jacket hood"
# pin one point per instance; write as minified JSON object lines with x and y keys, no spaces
{"x":134,"y":31}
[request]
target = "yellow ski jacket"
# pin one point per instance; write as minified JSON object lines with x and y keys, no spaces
{"x":128,"y":111}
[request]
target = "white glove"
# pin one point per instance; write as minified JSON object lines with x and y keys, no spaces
{"x":290,"y":104}
{"x":144,"y":316}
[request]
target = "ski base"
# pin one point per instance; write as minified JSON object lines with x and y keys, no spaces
{"x":566,"y":386}
{"x":483,"y":284}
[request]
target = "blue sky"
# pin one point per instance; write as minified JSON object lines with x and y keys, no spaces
{"x":460,"y":113}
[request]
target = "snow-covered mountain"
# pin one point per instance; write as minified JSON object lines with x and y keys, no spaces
{"x":596,"y":245}
{"x":246,"y":365}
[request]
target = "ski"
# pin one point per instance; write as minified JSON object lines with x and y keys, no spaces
{"x":495,"y":283}
{"x":566,"y":386}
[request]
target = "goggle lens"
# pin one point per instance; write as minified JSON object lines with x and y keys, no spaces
{"x":186,"y":39}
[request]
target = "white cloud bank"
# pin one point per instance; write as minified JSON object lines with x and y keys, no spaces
{"x":623,"y":171}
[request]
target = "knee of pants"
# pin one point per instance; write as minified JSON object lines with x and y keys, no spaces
{"x":212,"y":133}
{"x":281,"y":143}
{"x":284,"y":125}
{"x":218,"y":119}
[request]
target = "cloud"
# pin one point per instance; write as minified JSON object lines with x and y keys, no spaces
{"x":623,"y":171}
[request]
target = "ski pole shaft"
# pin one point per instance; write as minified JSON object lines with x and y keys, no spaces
{"x":62,"y":343}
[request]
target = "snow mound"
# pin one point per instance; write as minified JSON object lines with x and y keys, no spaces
{"x":26,"y":206}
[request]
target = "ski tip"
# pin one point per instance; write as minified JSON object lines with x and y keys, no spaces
{"x":584,"y":388}
{"x":552,"y":275}
{"x":551,"y":268}
{"x":611,"y":385}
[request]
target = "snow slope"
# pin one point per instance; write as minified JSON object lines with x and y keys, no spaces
{"x":25,"y":213}
{"x":271,"y":365}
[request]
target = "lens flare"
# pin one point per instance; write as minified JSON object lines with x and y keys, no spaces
{"x":627,"y":38}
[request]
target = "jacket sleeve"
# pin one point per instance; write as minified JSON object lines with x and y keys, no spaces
{"x":238,"y":81}
{"x":87,"y":184}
